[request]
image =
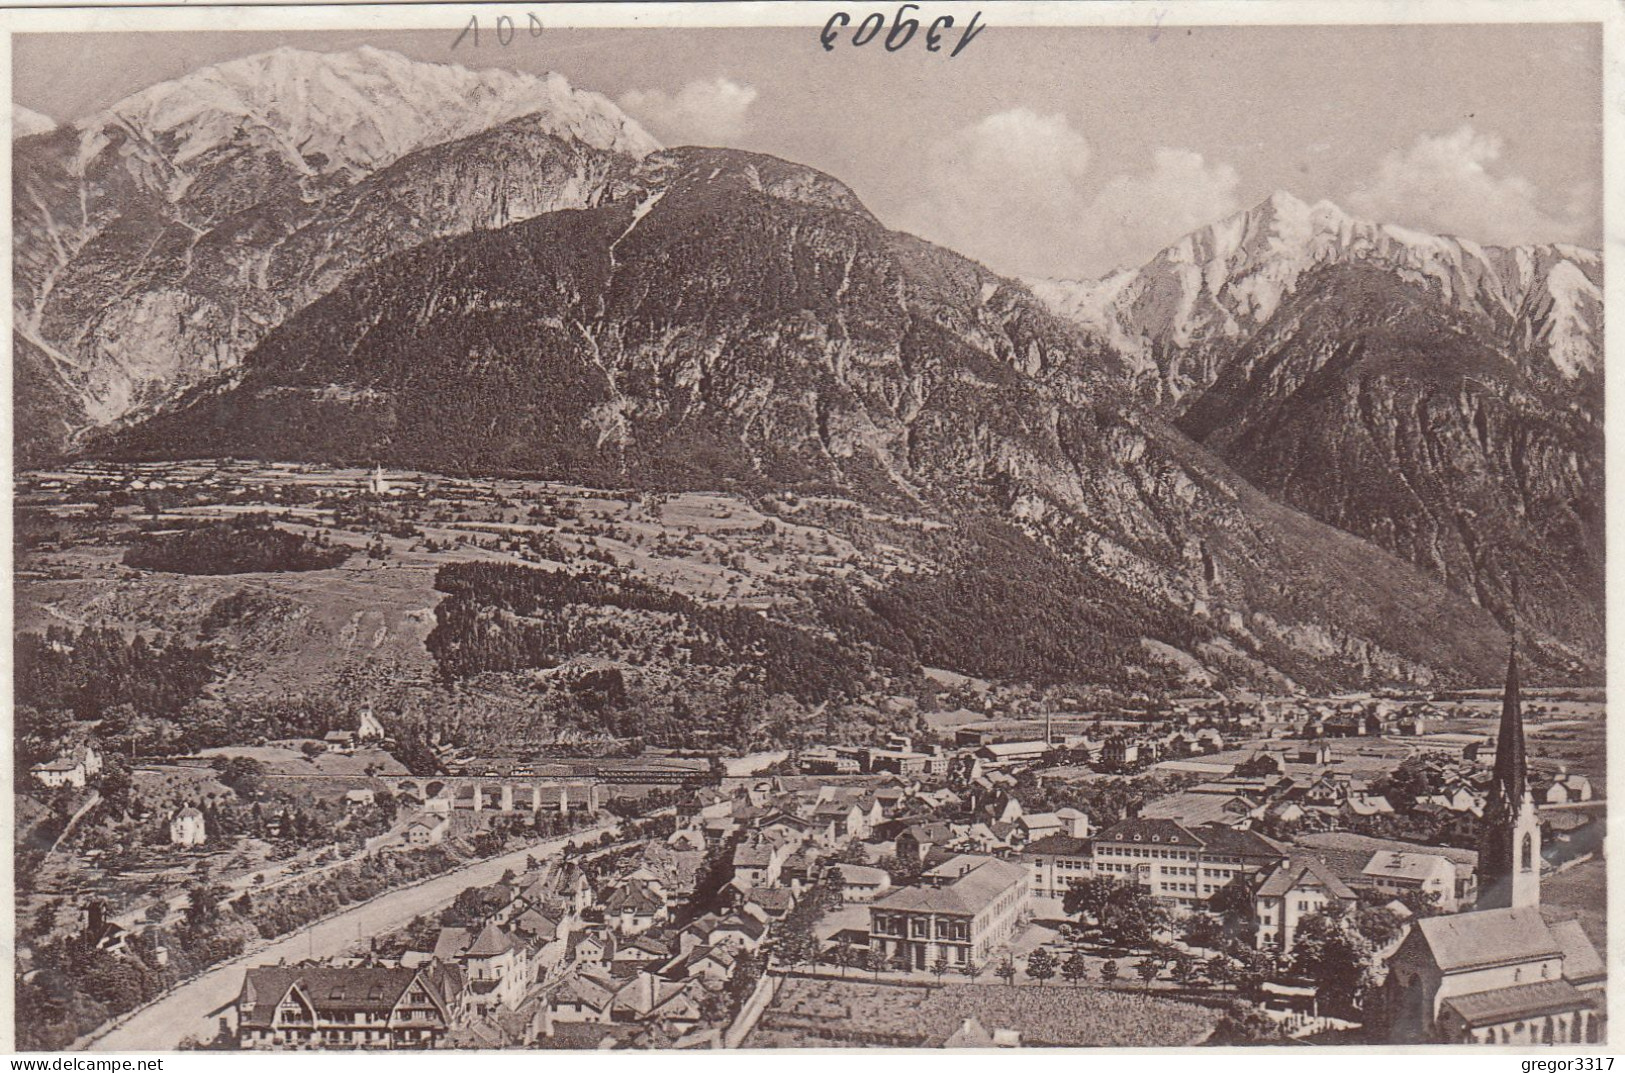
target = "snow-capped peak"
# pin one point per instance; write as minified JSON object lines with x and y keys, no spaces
{"x":26,"y":121}
{"x":348,"y":112}
{"x":1228,"y":278}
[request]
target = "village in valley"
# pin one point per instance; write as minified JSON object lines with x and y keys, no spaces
{"x":994,"y":867}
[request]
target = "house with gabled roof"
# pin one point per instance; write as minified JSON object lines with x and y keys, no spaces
{"x":1393,"y":872}
{"x":495,"y":963}
{"x":741,"y":929}
{"x":581,"y":997}
{"x":1297,"y":888}
{"x":860,"y":883}
{"x":73,"y":766}
{"x":639,"y":954}
{"x":758,"y":862}
{"x":635,"y":906}
{"x":713,"y":963}
{"x":304,"y":1007}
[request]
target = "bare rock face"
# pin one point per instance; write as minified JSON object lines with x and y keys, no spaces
{"x":727,"y":320}
{"x":158,"y":241}
{"x":1439,"y":398}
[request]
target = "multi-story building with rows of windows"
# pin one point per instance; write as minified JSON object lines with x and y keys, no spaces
{"x":965,"y":909}
{"x":1183,"y":865}
{"x":329,"y":1007}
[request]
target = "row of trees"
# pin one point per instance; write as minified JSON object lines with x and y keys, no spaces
{"x":244,"y":545}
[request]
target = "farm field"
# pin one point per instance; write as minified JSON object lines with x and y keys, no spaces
{"x":835,"y":1013}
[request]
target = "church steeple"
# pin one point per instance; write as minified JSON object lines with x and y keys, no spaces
{"x":1509,"y":855}
{"x":1511,"y":768}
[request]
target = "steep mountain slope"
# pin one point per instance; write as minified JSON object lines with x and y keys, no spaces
{"x":1365,"y":404}
{"x":1440,"y":398}
{"x":729,"y":319}
{"x":1179,"y":317}
{"x":158,"y":241}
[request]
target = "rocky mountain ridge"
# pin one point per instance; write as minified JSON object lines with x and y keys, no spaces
{"x":1437,"y":397}
{"x":158,"y":240}
{"x":731,"y":320}
{"x":1175,"y":318}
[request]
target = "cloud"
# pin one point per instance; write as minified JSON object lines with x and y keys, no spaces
{"x":1012,"y":190}
{"x":1454,"y":183}
{"x":1137,"y":214}
{"x":701,"y":113}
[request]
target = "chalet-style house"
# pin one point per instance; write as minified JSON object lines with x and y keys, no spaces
{"x":300,"y":1008}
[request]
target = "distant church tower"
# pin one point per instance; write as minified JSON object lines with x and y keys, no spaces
{"x":1509,"y":856}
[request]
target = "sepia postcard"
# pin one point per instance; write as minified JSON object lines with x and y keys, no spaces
{"x":811,"y":525}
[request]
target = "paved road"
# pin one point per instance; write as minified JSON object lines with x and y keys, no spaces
{"x":189,"y":1009}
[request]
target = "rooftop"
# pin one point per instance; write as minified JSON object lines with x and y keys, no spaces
{"x":1414,"y":866}
{"x":1517,"y":1003}
{"x":976,"y":888}
{"x":1058,"y":845}
{"x":1488,"y":937}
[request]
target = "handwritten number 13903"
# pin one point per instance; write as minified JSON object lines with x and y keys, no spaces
{"x":505,"y":30}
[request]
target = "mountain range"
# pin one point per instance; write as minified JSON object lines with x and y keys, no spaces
{"x":1294,"y":448}
{"x":1440,"y":398}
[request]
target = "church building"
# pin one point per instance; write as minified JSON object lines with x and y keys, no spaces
{"x":1500,"y":974}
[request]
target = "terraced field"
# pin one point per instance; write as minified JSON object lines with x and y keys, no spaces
{"x":839,"y":1013}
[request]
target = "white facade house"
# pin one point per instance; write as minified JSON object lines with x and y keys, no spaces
{"x":188,"y":828}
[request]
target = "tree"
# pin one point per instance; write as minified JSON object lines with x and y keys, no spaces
{"x":1409,"y":780}
{"x":939,"y":967}
{"x":1147,"y":970}
{"x":1041,"y":965}
{"x":904,"y":870}
{"x":1076,"y":969}
{"x":794,"y":948}
{"x":1244,"y":1023}
{"x":1238,"y":912}
{"x":1219,"y":970}
{"x":875,"y":961}
{"x":1184,"y":969}
{"x":1204,"y":930}
{"x":243,"y":775}
{"x":1328,"y":950}
{"x":115,"y":781}
{"x":1253,"y":969}
{"x":1127,"y":913}
{"x":312,"y":749}
{"x":1089,"y":897}
{"x":1108,"y":973}
{"x":1006,"y":970}
{"x":970,"y":969}
{"x":203,"y":904}
{"x":843,"y":953}
{"x":1377,"y":924}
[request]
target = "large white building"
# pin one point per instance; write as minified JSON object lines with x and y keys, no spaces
{"x":1301,"y":887}
{"x":965,"y":910}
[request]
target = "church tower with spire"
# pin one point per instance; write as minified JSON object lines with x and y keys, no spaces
{"x":1509,"y":855}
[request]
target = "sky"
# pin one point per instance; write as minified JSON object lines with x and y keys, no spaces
{"x":1057,"y":151}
